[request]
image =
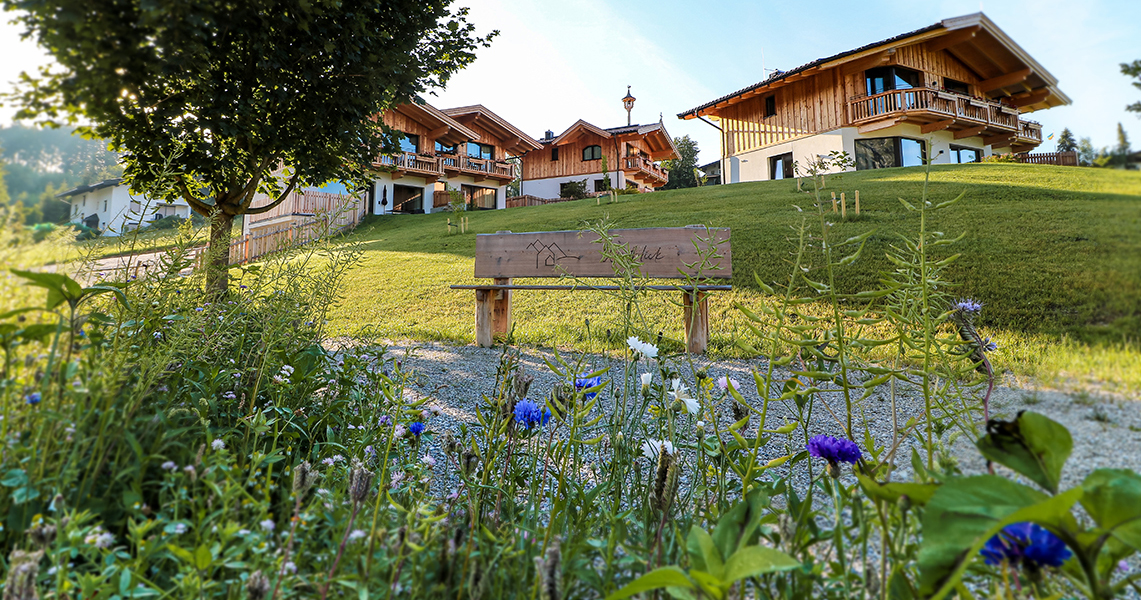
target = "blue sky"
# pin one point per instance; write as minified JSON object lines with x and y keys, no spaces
{"x":556,"y":62}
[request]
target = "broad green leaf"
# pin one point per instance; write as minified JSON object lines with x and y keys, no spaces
{"x":55,"y":283}
{"x":751,"y":561}
{"x":1113,"y":498}
{"x":918,"y":493}
{"x":703,"y":553}
{"x":656,"y":579}
{"x":966,"y":511}
{"x":202,"y":557}
{"x":1032,"y":445}
{"x":736,"y":527}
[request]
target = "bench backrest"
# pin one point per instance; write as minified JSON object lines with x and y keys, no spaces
{"x":664,"y":252}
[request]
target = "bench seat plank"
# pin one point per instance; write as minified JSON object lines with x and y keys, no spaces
{"x":658,"y":288}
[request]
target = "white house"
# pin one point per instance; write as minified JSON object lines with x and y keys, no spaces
{"x":110,"y":207}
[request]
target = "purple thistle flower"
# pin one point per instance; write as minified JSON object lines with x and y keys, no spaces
{"x":834,"y":450}
{"x":968,"y":305}
{"x":582,"y":382}
{"x":1026,"y":544}
{"x":416,"y":428}
{"x":528,"y":414}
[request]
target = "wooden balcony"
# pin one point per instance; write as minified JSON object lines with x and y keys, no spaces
{"x":407,"y":163}
{"x":479,"y":168}
{"x":645,"y":171}
{"x":936,"y":110}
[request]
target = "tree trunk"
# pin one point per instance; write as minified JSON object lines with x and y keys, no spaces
{"x":218,"y":256}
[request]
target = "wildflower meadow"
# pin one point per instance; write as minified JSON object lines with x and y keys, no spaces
{"x":162,"y":440}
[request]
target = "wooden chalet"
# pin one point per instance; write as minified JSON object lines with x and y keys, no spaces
{"x":632,"y":157}
{"x":961,"y":84}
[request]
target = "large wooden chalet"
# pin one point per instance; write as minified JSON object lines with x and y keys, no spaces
{"x":961,"y":83}
{"x":632,"y":153}
{"x":465,"y":148}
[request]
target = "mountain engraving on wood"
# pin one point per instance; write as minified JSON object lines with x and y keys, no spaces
{"x":663,"y":252}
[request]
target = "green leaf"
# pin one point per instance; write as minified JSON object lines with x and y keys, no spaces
{"x":14,"y":478}
{"x":703,"y":553}
{"x":918,"y":493}
{"x":967,"y":511}
{"x":656,"y":579}
{"x":736,"y":527}
{"x":57,"y":285}
{"x":1032,"y":445}
{"x":942,"y":205}
{"x":103,"y":289}
{"x":202,"y":557}
{"x":751,"y":561}
{"x":1113,"y":499}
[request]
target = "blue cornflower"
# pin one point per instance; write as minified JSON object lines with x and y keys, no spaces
{"x":1026,"y":544}
{"x":968,"y":305}
{"x":416,"y":428}
{"x":582,"y":382}
{"x":834,"y":450}
{"x":33,"y":398}
{"x":989,"y":346}
{"x":528,"y":414}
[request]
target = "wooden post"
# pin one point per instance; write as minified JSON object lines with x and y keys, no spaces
{"x":843,"y":206}
{"x":449,"y":225}
{"x":483,"y":317}
{"x":833,"y":201}
{"x":857,"y":203}
{"x":501,"y":310}
{"x":696,"y":323}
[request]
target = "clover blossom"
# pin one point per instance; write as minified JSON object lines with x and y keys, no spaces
{"x":218,"y":444}
{"x":725,"y":381}
{"x":583,"y":381}
{"x":528,"y":414}
{"x":1027,"y":545}
{"x":835,"y":451}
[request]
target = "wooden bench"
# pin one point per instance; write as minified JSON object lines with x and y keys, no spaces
{"x":665,"y":252}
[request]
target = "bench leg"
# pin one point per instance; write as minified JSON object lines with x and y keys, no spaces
{"x":483,"y":302}
{"x":696,"y":321}
{"x":501,"y":310}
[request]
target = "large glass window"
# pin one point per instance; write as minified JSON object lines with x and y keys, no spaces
{"x":780,"y":167}
{"x":881,"y":153}
{"x":479,"y":198}
{"x":592,"y":152}
{"x":475,"y":150}
{"x":962,"y":154}
{"x":882,"y":79}
{"x":442,"y":148}
{"x":410,"y":143}
{"x":958,"y":87}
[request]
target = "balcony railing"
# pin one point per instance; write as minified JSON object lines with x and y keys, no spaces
{"x":412,"y":163}
{"x":1030,"y":130}
{"x":640,"y":164}
{"x":957,"y":106}
{"x":488,"y":167}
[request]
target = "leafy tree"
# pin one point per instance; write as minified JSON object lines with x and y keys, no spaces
{"x":1066,"y":141}
{"x":209,"y":99}
{"x":41,"y":158}
{"x":1086,"y":153}
{"x":682,"y":170}
{"x":573,"y":189}
{"x":1133,"y":70}
{"x":1123,"y":148}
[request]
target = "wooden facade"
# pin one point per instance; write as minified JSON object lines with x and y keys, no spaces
{"x":633,"y":150}
{"x":973,"y":81}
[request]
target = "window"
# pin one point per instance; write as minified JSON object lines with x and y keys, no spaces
{"x":592,"y":152}
{"x":475,"y":150}
{"x":479,"y":198}
{"x":410,"y":143}
{"x":555,"y":153}
{"x":882,"y":79}
{"x":445,"y":149}
{"x":881,"y":153}
{"x":104,"y":205}
{"x":770,"y":106}
{"x":958,"y":87}
{"x":962,"y":154}
{"x":631,"y":150}
{"x":601,"y":185}
{"x":780,"y":167}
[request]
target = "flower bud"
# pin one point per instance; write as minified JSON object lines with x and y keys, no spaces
{"x":834,"y":470}
{"x":904,"y":503}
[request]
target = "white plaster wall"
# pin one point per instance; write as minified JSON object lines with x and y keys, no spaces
{"x":549,"y":187}
{"x":754,"y":165}
{"x":384,"y":182}
{"x":490,"y":184}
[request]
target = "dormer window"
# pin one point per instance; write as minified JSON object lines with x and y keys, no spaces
{"x":592,"y":152}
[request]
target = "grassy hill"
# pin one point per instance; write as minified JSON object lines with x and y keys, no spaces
{"x":1054,"y":253}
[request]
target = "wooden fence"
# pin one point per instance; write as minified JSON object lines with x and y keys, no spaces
{"x":1065,"y":159}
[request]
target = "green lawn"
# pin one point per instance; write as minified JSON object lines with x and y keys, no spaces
{"x":1053,"y":252}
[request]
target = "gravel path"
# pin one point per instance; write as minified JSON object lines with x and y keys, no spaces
{"x":1106,"y":432}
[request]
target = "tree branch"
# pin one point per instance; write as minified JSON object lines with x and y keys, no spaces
{"x":247,"y":194}
{"x":289,"y":188}
{"x":198,"y":206}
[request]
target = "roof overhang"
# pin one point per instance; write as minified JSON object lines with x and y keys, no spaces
{"x":83,"y":189}
{"x":577,"y":130}
{"x":444,"y":128}
{"x":999,"y":63}
{"x":657,"y":139}
{"x":512,"y":138}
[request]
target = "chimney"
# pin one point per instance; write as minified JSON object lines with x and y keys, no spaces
{"x":550,"y":135}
